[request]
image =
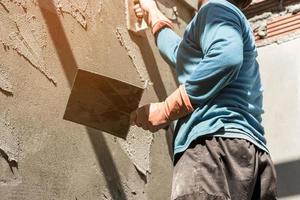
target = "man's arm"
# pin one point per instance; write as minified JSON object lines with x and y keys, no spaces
{"x":220,"y":37}
{"x":167,"y":42}
{"x":166,"y":39}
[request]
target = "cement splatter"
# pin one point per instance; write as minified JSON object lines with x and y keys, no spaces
{"x":9,"y":143}
{"x":137,"y":146}
{"x":27,"y":38}
{"x":93,"y":11}
{"x":75,"y":10}
{"x":132,"y":186}
{"x":20,"y":3}
{"x":125,"y":41}
{"x":6,"y":86}
{"x":83,"y":11}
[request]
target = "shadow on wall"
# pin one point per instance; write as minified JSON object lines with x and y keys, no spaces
{"x":69,"y":64}
{"x":106,"y":162}
{"x":288,"y":176}
{"x":182,"y":11}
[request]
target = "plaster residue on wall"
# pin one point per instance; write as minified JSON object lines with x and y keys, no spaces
{"x":74,"y":9}
{"x":84,"y":12}
{"x":25,"y":35}
{"x":137,"y":146}
{"x":7,"y":3}
{"x":6,"y":86}
{"x":93,"y":11}
{"x":138,"y":143}
{"x":133,"y":187}
{"x":134,"y":55}
{"x":9,"y":152}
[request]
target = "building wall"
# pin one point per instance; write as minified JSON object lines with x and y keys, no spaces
{"x":280,"y":69}
{"x":43,"y":42}
{"x":42,"y":156}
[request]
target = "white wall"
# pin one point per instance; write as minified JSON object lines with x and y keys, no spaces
{"x":280,"y":69}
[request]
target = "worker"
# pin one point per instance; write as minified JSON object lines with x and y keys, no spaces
{"x":220,"y":149}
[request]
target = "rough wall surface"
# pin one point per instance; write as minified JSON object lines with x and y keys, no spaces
{"x":43,"y":42}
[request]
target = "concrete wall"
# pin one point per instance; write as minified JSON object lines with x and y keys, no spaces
{"x":42,"y":156}
{"x":43,"y":42}
{"x":280,"y":69}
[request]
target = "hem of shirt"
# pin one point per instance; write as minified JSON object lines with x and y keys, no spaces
{"x":211,"y":131}
{"x":230,"y":134}
{"x":225,"y":133}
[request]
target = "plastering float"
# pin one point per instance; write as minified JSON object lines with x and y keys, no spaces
{"x":102,"y":102}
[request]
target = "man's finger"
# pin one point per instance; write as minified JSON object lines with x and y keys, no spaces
{"x":138,"y":10}
{"x":136,"y":6}
{"x":140,"y":15}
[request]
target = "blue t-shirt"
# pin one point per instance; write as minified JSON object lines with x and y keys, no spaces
{"x":216,"y":61}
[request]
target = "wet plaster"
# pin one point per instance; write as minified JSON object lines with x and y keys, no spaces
{"x":85,"y":12}
{"x":131,"y":185}
{"x":137,"y":146}
{"x":138,"y":143}
{"x":75,"y":10}
{"x":6,"y":86}
{"x":135,"y":56}
{"x":7,"y":4}
{"x":25,"y":35}
{"x":9,"y":152}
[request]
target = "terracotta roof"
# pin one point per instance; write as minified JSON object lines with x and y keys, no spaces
{"x":280,"y":26}
{"x":261,"y":6}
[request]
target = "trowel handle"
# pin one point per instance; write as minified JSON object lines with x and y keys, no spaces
{"x":134,"y":23}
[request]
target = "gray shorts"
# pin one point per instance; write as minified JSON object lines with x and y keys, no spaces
{"x":222,"y":168}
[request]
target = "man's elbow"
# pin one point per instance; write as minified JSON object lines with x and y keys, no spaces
{"x":232,"y":63}
{"x":234,"y":60}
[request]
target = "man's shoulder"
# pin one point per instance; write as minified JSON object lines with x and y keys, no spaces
{"x":221,"y":8}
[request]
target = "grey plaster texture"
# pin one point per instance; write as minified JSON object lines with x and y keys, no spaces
{"x":42,"y":156}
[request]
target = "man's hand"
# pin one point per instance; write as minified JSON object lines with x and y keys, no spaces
{"x":147,"y":5}
{"x":143,"y":8}
{"x":150,"y":117}
{"x":148,"y":10}
{"x":155,"y":116}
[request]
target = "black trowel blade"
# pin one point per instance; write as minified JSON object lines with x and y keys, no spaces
{"x":102,"y":103}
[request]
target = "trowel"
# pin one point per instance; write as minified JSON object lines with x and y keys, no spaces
{"x":102,"y":102}
{"x":134,"y":24}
